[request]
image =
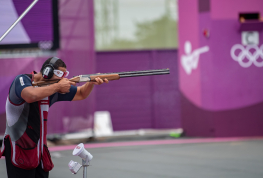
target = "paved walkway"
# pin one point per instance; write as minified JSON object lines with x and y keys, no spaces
{"x":174,"y":158}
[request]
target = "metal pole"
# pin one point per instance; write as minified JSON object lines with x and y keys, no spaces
{"x":19,"y":18}
{"x":85,"y":164}
{"x":85,"y":171}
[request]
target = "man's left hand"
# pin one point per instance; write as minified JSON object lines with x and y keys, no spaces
{"x":99,"y":81}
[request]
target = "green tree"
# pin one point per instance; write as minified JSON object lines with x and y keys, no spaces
{"x":160,"y":33}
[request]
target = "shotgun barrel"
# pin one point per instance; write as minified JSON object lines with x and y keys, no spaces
{"x":136,"y":73}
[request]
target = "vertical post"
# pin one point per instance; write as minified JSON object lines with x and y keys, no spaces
{"x":85,"y":164}
{"x":85,"y":171}
{"x":19,"y":18}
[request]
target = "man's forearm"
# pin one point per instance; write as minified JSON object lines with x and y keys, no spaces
{"x":33,"y":94}
{"x":83,"y":91}
{"x":86,"y":89}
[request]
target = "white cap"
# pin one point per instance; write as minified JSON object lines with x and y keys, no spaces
{"x":78,"y":149}
{"x":82,"y":152}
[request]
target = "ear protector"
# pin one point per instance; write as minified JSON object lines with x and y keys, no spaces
{"x":48,"y":70}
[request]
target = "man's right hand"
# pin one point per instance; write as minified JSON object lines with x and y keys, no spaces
{"x":64,"y":85}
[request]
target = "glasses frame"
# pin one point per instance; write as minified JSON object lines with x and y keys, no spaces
{"x":60,"y":73}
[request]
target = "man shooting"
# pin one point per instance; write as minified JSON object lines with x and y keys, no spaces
{"x":24,"y":144}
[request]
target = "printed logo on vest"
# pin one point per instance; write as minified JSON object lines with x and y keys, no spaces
{"x":21,"y":81}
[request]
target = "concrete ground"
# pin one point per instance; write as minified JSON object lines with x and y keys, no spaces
{"x":174,"y":158}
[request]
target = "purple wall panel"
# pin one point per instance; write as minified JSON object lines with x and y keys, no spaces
{"x":166,"y":91}
{"x":140,"y":102}
{"x":230,"y":94}
{"x":188,"y":31}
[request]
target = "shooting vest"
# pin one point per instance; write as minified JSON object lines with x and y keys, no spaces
{"x":26,"y":129}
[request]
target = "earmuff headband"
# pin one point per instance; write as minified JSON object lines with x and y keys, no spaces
{"x":53,"y":60}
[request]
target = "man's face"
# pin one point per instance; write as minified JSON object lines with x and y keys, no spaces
{"x":60,"y":71}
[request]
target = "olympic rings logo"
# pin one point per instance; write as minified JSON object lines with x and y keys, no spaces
{"x":245,"y":52}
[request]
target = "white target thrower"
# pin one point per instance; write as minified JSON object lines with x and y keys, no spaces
{"x":86,"y":157}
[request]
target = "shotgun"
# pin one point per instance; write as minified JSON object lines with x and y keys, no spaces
{"x":109,"y":76}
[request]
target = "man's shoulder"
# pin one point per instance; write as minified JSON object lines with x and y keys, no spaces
{"x":23,"y":77}
{"x":22,"y":80}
